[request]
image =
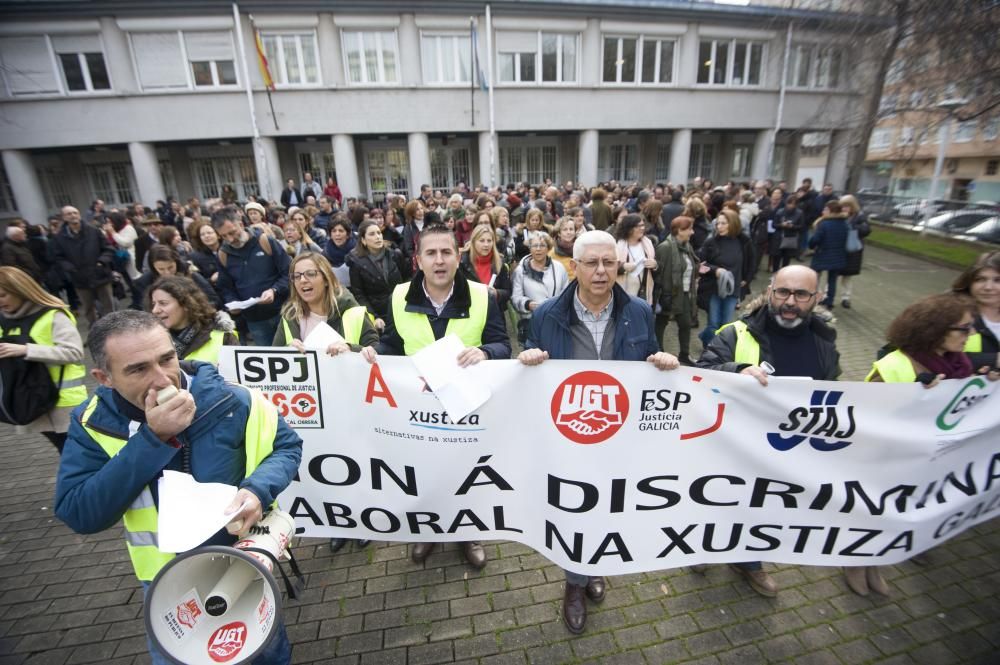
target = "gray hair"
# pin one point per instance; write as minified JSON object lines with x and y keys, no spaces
{"x":540,"y":235}
{"x":592,"y":239}
{"x":14,"y":232}
{"x":123,"y":322}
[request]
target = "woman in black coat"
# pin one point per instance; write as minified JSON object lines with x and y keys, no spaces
{"x":857,"y":220}
{"x":375,"y":271}
{"x":829,"y":239}
{"x":481,"y":262}
{"x":788,"y":224}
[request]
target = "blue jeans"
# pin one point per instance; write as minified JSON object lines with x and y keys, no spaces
{"x":263,"y":331}
{"x":720,"y":312}
{"x":831,"y":287}
{"x":277,"y":652}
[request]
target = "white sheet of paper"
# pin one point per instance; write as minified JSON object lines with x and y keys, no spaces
{"x":454,"y":386}
{"x":242,"y":304}
{"x":322,"y":336}
{"x":190,"y":512}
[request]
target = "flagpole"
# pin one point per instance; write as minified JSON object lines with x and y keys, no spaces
{"x":261,"y":158}
{"x":472,"y":63}
{"x":489,"y":88}
{"x":267,"y":86}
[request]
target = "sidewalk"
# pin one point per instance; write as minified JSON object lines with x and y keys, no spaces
{"x":66,"y":598}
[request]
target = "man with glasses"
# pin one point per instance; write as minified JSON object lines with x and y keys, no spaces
{"x":783,"y":336}
{"x":593,"y":319}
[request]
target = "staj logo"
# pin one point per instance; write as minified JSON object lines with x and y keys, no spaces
{"x":227,"y":641}
{"x":589,"y":407}
{"x":826,"y":424}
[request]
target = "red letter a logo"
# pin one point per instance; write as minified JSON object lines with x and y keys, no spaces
{"x":377,"y":387}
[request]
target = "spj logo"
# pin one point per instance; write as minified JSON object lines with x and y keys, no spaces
{"x":825,"y":422}
{"x":589,"y":407}
{"x":967,"y":397}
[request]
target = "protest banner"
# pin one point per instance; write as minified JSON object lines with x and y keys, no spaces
{"x":616,"y":467}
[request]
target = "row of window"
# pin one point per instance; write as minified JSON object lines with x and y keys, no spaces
{"x":962,"y":132}
{"x":191,"y":59}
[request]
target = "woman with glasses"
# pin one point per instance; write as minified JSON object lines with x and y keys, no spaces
{"x":536,"y":279}
{"x":317,"y":297}
{"x":376,"y":269}
{"x":981,"y":282}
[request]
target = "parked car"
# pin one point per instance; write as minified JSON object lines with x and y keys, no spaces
{"x":958,"y":221}
{"x":987,"y":230}
{"x":914,"y":209}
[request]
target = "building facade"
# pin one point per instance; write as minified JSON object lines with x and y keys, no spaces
{"x":126,"y":101}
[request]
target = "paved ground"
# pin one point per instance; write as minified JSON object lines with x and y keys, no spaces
{"x":66,"y":598}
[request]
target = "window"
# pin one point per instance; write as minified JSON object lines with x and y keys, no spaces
{"x":7,"y":202}
{"x":991,"y":166}
{"x":53,"y":180}
{"x":388,"y":173}
{"x":990,"y":129}
{"x":112,"y":182}
{"x":319,"y":164}
{"x":730,"y":62}
{"x":61,"y":64}
{"x":965,"y":131}
{"x":167,"y":178}
{"x":371,"y":57}
{"x":916,"y":99}
{"x":881,"y":138}
{"x":662,"y":172}
{"x":906,"y":136}
{"x":528,"y":163}
{"x":701,"y":161}
{"x":449,"y":166}
{"x":742,"y":157}
{"x":638,"y":60}
{"x":211,"y":174}
{"x":778,"y":160}
{"x":446,"y":58}
{"x":618,"y":162}
{"x":536,"y":57}
{"x":814,"y":66}
{"x":178,"y":60}
{"x":291,"y":57}
{"x":887,"y":105}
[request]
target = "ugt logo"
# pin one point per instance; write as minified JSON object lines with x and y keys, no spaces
{"x":825,"y":425}
{"x":589,"y":407}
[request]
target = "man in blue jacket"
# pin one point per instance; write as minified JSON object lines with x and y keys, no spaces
{"x":593,"y":319}
{"x":254,"y":265}
{"x":121,"y":440}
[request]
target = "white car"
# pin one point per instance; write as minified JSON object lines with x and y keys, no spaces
{"x":987,"y":230}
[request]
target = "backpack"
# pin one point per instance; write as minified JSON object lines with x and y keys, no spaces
{"x":262,"y":240}
{"x":26,"y":388}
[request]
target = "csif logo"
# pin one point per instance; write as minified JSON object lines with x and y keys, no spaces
{"x":227,"y":641}
{"x":825,"y":422}
{"x":589,"y":407}
{"x":973,"y":392}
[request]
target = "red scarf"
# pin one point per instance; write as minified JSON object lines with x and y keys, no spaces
{"x":484,"y":268}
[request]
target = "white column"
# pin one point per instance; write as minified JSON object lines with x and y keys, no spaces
{"x":836,"y":161}
{"x":486,"y":156}
{"x":680,"y":156}
{"x":761,"y":152}
{"x":590,"y":55}
{"x":269,"y":168}
{"x":28,"y":194}
{"x":346,"y":163}
{"x":146,"y":167}
{"x":409,"y":43}
{"x":420,"y":162}
{"x":588,"y":149}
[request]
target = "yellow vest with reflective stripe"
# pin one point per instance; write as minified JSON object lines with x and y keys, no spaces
{"x":141,"y":518}
{"x":353,"y":322}
{"x":974,"y":344}
{"x":210,"y":350}
{"x":894,"y":367}
{"x":72,"y":391}
{"x":747,"y":348}
{"x":416,"y":331}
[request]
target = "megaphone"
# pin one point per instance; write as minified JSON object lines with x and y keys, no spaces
{"x":219,"y":604}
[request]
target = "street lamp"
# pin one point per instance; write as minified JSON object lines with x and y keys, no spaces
{"x":944,"y":136}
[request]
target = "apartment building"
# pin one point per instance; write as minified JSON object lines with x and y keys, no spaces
{"x":126,"y":101}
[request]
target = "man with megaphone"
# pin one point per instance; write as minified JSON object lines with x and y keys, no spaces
{"x":152,"y":414}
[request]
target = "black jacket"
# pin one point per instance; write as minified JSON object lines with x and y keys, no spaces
{"x":988,"y":356}
{"x":496,"y":342}
{"x":721,"y":352}
{"x":370,"y":286}
{"x":86,"y":259}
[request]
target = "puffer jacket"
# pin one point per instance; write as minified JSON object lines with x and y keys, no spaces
{"x":93,"y":491}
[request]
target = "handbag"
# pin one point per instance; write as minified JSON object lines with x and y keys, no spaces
{"x":789,"y":242}
{"x":853,"y":241}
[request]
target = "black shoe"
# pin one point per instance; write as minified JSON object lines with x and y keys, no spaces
{"x":337,"y":543}
{"x":685,"y":360}
{"x":845,"y":303}
{"x":363,"y":543}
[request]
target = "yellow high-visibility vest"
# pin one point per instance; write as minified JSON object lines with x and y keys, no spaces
{"x":894,"y":367}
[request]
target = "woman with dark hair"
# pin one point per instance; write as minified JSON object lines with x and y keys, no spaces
{"x":376,"y":269}
{"x":829,"y":239}
{"x":121,"y":232}
{"x":463,"y":227}
{"x":600,"y":211}
{"x":981,"y":282}
{"x":637,"y":256}
{"x":390,"y":233}
{"x":695,"y":208}
{"x":165,"y":262}
{"x":414,"y":213}
{"x":339,"y":246}
{"x":197,"y":330}
{"x":333,"y":191}
{"x":481,"y":262}
{"x":677,"y":278}
{"x":52,"y":339}
{"x":205,"y":243}
{"x":728,"y":257}
{"x":652,"y":215}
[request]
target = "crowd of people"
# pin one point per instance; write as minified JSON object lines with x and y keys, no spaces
{"x":555,"y":272}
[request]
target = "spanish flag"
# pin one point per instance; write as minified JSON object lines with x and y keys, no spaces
{"x":265,"y":72}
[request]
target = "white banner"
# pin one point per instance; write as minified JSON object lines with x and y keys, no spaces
{"x":616,"y":467}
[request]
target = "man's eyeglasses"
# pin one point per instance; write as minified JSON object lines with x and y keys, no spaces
{"x":308,"y":274}
{"x":801,"y":295}
{"x":610,"y":265}
{"x":965,"y":330}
